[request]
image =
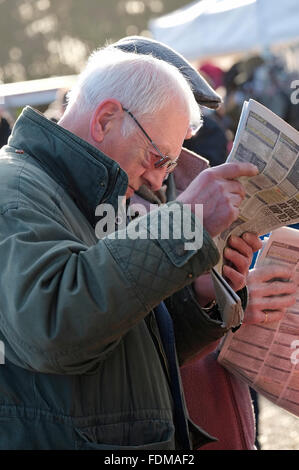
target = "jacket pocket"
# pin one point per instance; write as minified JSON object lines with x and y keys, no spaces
{"x":138,"y":435}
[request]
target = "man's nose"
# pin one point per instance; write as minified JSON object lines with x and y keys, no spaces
{"x":154,"y":178}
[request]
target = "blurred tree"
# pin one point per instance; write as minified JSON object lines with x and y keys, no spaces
{"x":42,"y":38}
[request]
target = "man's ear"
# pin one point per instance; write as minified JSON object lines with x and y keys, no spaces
{"x":103,"y":119}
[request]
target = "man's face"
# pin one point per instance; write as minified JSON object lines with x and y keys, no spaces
{"x":136,"y":155}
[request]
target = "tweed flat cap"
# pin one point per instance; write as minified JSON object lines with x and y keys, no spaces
{"x":203,"y":92}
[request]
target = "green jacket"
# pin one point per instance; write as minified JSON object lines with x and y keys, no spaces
{"x":84,"y":365}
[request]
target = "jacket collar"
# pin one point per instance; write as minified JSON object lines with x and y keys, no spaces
{"x":87,"y":174}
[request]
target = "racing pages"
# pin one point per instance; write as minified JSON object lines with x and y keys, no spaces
{"x":272,"y":197}
{"x":266,"y":355}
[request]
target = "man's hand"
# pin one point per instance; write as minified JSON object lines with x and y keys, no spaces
{"x":219,"y":192}
{"x":237,"y":258}
{"x":268,"y":301}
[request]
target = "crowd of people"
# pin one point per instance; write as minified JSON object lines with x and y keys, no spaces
{"x":112,"y":343}
{"x":266,"y":79}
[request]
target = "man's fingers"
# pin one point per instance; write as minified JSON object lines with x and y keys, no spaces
{"x":268,"y":310}
{"x":235,"y":200}
{"x":279,"y":288}
{"x":267,"y":292}
{"x":267,"y":273}
{"x":235,"y":170}
{"x":258,"y":316}
{"x":238,"y":244}
{"x":220,"y":195}
{"x":235,"y":279}
{"x":273,"y":303}
{"x":252,"y":240}
{"x":271,"y":316}
{"x":238,"y":253}
{"x":239,"y":261}
{"x":233,"y":187}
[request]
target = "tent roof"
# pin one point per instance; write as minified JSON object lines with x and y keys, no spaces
{"x":215,"y":27}
{"x":33,"y":92}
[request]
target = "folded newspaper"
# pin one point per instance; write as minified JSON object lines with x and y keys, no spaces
{"x":229,"y":303}
{"x":266,"y":356}
{"x":272,"y":196}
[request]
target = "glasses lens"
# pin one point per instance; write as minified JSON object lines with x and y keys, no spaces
{"x":171,"y":167}
{"x":164,"y":161}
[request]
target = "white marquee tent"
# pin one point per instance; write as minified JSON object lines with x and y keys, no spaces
{"x":209,"y":28}
{"x":33,"y":92}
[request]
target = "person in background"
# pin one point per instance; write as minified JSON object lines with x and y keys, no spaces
{"x":210,"y":141}
{"x":227,"y":413}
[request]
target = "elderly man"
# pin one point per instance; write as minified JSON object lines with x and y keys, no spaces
{"x":86,"y":365}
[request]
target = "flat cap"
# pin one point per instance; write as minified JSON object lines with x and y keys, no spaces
{"x":203,"y":92}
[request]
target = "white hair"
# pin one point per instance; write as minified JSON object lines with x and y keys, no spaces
{"x":142,"y":83}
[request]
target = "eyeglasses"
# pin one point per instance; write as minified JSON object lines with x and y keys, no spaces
{"x":164,"y":161}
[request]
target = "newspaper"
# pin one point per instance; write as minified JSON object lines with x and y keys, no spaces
{"x":266,"y":356}
{"x":272,"y":196}
{"x":229,"y":303}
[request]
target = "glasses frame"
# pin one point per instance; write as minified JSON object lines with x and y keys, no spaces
{"x":165,"y":159}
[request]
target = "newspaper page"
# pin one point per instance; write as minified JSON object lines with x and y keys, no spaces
{"x":272,"y":196}
{"x":266,"y":356}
